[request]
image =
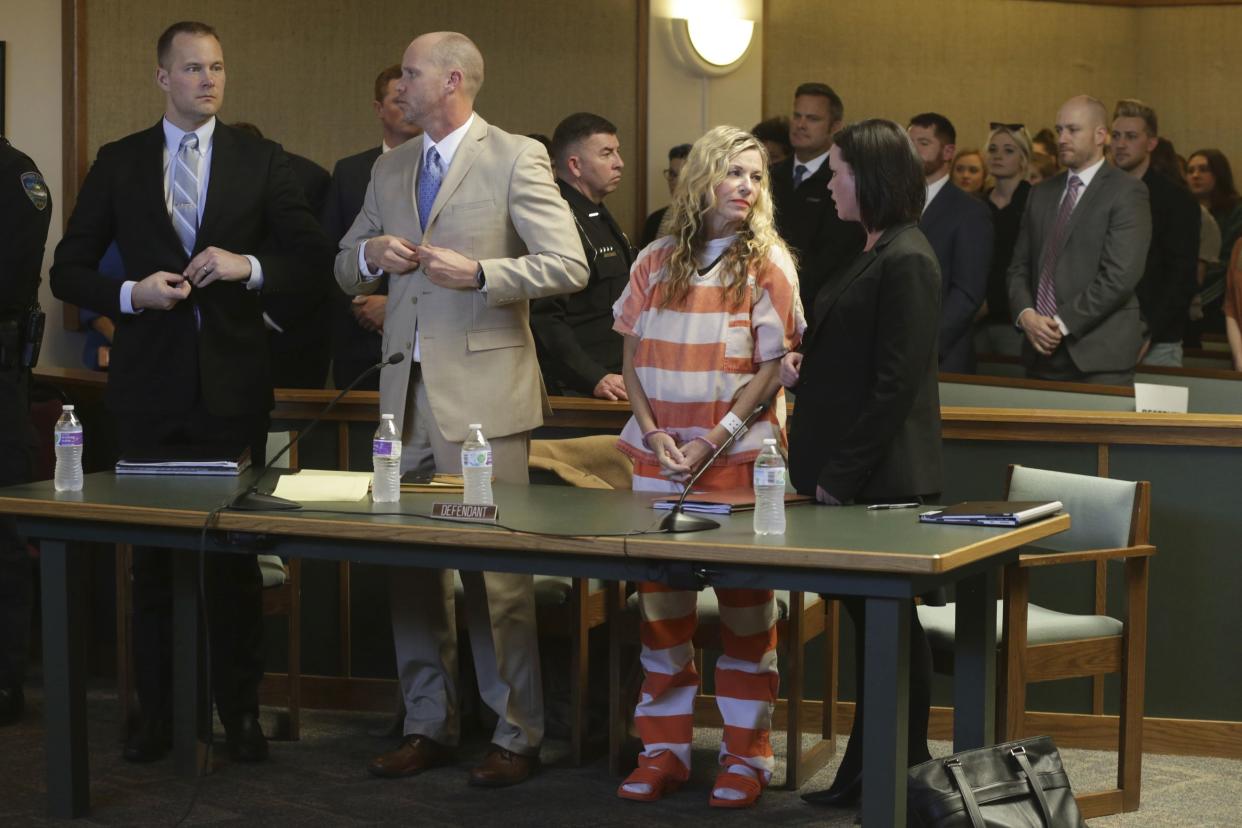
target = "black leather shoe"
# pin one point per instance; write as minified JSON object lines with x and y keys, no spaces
{"x":150,"y":742}
{"x":840,"y":795}
{"x":246,"y":741}
{"x":12,"y":703}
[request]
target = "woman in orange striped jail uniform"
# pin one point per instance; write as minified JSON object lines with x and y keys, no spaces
{"x":709,"y":311}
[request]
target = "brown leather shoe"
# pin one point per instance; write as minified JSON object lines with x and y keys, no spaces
{"x":503,"y":767}
{"x":416,"y":754}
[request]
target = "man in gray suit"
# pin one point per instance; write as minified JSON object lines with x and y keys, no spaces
{"x":469,"y":226}
{"x":1080,"y":253}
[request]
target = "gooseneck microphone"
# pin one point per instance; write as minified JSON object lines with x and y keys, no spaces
{"x":677,"y":520}
{"x":250,"y":499}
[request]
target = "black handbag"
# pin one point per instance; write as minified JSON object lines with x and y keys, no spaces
{"x":1015,"y":785}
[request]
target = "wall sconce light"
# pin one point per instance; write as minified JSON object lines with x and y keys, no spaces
{"x":713,"y":45}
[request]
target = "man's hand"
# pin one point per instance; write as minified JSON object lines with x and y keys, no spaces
{"x":1043,"y":332}
{"x":213,"y":263}
{"x":369,"y":312}
{"x":391,"y":254}
{"x":448,"y":268}
{"x":791,"y":368}
{"x":611,"y":387}
{"x":159,"y":291}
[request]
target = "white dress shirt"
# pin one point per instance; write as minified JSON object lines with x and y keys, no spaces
{"x":172,"y":145}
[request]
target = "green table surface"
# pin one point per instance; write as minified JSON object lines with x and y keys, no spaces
{"x":548,"y":519}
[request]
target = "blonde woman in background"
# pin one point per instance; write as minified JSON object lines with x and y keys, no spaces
{"x":1008,"y":152}
{"x":969,"y":172}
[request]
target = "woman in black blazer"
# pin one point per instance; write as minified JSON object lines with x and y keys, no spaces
{"x":866,"y":424}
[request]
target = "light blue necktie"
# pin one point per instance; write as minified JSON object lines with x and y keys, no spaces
{"x":428,"y":185}
{"x":185,"y":191}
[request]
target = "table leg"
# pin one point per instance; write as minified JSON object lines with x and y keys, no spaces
{"x":189,"y":742}
{"x":974,"y":663}
{"x":886,"y":712}
{"x":64,"y":679}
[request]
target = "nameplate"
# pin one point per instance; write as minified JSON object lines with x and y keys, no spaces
{"x":465,"y":511}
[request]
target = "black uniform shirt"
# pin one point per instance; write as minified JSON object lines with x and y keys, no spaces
{"x":25,"y":214}
{"x":576,"y":343}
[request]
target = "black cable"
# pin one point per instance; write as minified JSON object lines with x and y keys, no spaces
{"x":206,"y":621}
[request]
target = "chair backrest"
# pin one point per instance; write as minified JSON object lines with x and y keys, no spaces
{"x":276,"y":441}
{"x":1104,"y":513}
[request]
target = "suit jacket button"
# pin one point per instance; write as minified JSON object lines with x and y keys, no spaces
{"x":413,"y":300}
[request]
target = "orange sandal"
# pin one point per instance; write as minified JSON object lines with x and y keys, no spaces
{"x":662,"y":775}
{"x":747,"y":785}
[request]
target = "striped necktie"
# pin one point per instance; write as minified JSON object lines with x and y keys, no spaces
{"x":1046,"y":293}
{"x":185,"y":191}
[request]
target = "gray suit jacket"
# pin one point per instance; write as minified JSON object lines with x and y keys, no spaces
{"x":498,"y":204}
{"x":1102,"y":259}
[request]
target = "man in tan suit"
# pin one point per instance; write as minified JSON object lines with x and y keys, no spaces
{"x":469,"y":226}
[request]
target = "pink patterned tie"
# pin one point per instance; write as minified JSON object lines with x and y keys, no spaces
{"x":1046,"y":294}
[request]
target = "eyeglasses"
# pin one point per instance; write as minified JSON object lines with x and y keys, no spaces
{"x":1010,"y":127}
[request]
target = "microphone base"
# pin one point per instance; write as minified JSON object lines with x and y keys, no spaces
{"x":252,"y":501}
{"x":678,"y":521}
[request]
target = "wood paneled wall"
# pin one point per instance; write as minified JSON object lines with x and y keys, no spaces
{"x":303,"y":71}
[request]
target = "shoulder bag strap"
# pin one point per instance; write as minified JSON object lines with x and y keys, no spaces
{"x":954,"y":767}
{"x":1019,"y":753}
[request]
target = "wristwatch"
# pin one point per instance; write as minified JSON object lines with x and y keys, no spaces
{"x":479,"y":279}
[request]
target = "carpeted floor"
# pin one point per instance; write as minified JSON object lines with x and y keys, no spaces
{"x":321,"y":781}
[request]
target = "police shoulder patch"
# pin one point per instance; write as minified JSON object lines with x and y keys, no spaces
{"x":36,"y":190}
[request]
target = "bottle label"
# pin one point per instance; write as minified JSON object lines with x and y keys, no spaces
{"x":386,"y":448}
{"x":770,"y":476}
{"x":69,"y":438}
{"x":476,"y":459}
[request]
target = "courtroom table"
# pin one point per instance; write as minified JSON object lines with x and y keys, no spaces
{"x":886,"y":556}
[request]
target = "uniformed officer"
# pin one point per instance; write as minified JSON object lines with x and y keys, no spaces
{"x":578,"y":350}
{"x":25,"y":213}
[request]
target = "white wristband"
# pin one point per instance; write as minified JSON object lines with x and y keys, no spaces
{"x":731,"y":423}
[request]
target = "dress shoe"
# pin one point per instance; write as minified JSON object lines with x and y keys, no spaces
{"x":842,"y":794}
{"x":246,"y":741}
{"x":416,"y":754}
{"x":150,"y":742}
{"x":12,"y":703}
{"x":501,"y":768}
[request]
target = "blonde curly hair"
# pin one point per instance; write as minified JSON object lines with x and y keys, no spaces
{"x":695,"y":198}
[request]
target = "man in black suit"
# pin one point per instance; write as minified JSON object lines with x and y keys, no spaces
{"x":1169,"y":279}
{"x":1080,"y":253}
{"x":358,"y":321}
{"x":297,"y":323}
{"x":959,"y":228}
{"x":805,"y":215}
{"x":189,"y":202}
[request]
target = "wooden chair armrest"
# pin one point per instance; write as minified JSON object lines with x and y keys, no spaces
{"x":1057,"y":558}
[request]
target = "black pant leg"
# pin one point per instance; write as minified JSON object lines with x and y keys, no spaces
{"x":919,"y":695}
{"x":152,"y":631}
{"x":16,"y":573}
{"x":234,"y":599}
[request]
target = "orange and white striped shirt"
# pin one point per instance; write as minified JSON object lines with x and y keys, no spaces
{"x":693,"y":360}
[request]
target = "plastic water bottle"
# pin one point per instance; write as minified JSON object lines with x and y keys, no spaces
{"x":769,"y":490}
{"x":386,"y":459}
{"x":476,"y":467}
{"x":68,"y":439}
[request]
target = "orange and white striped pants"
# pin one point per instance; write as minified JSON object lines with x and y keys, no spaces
{"x":746,"y":676}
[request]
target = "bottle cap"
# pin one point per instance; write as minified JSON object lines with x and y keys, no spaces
{"x":475,"y":425}
{"x":769,"y":441}
{"x":385,"y":416}
{"x":66,"y":408}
